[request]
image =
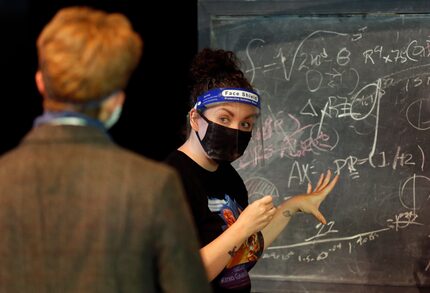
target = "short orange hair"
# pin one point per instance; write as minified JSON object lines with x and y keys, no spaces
{"x":86,"y":54}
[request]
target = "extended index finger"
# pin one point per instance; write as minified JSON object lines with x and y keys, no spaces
{"x":331,"y":185}
{"x":320,"y":180}
{"x":325,"y":181}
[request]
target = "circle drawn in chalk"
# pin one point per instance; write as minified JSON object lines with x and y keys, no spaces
{"x":414,"y":192}
{"x":258,"y":187}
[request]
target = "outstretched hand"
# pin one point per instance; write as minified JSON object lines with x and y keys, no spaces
{"x":310,"y":202}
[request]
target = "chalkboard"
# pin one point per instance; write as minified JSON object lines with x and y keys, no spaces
{"x":349,"y":92}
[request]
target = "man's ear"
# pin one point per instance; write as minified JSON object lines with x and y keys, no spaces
{"x":117,"y":99}
{"x":40,"y":83}
{"x":114,"y":100}
{"x":108,"y":106}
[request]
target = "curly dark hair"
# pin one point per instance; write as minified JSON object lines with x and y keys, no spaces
{"x":215,"y":68}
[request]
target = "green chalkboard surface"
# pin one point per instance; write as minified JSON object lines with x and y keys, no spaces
{"x":348,"y":92}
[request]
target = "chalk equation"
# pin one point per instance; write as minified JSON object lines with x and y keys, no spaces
{"x":351,"y":95}
{"x":399,"y":221}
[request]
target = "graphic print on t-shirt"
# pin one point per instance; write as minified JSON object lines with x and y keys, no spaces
{"x":235,"y":274}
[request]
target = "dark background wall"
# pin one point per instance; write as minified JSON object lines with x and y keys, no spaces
{"x":157,"y":96}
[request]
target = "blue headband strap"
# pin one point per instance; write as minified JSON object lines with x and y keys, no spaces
{"x":223,"y":95}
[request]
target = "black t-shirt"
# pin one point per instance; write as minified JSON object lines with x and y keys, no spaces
{"x":216,"y":200}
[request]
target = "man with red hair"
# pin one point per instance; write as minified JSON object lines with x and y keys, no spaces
{"x":77,"y":212}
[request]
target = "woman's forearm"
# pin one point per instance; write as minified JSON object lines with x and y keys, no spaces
{"x":280,"y":220}
{"x":217,"y":253}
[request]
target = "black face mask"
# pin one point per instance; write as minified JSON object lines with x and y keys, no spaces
{"x":224,"y":144}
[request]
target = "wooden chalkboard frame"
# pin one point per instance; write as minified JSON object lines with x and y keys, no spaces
{"x":211,"y":8}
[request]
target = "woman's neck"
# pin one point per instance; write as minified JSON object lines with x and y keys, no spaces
{"x":193,"y":149}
